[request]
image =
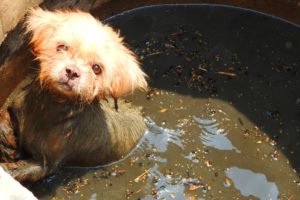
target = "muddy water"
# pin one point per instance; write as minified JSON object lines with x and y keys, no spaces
{"x":194,"y":149}
{"x":223,"y":110}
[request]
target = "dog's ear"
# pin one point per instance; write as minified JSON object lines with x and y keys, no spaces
{"x":41,"y":24}
{"x":124,"y":74}
{"x":128,"y":75}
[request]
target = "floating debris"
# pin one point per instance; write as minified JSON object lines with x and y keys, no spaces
{"x":227,"y":74}
{"x":227,"y":182}
{"x":142,"y":177}
{"x":162,"y":110}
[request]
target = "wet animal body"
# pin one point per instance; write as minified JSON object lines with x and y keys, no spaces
{"x":66,"y":116}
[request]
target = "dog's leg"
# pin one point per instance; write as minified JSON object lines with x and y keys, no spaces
{"x":8,"y":141}
{"x":21,"y":170}
{"x":25,"y":170}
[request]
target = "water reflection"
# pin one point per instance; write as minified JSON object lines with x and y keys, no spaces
{"x":157,"y":158}
{"x":250,"y":183}
{"x":169,"y":188}
{"x":213,"y":136}
{"x":93,"y":197}
{"x":158,"y":138}
{"x":192,"y":157}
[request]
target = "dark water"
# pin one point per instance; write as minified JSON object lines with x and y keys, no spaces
{"x":223,"y":110}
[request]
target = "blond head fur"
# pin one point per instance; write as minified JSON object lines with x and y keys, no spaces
{"x":76,"y":40}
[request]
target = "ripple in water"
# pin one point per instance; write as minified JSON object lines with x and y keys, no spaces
{"x":213,"y":136}
{"x":169,"y":188}
{"x":192,"y":157}
{"x":158,"y":138}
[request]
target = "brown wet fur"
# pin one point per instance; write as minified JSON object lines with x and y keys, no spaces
{"x":55,"y":131}
{"x":8,"y":141}
{"x":60,"y":119}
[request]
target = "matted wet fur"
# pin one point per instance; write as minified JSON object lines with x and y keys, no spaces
{"x":63,"y":117}
{"x":55,"y":132}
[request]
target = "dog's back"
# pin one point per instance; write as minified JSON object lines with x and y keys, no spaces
{"x":58,"y":132}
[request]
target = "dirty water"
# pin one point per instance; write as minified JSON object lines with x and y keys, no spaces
{"x":194,"y":149}
{"x":223,"y":110}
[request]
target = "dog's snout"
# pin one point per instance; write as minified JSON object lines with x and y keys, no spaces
{"x":72,"y":73}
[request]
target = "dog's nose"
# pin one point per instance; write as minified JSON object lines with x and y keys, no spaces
{"x":72,"y":73}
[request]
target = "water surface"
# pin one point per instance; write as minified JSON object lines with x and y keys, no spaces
{"x":223,"y":110}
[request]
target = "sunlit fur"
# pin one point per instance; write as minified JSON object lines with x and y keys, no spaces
{"x":90,"y":42}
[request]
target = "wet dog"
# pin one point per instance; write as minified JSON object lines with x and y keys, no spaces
{"x":64,"y":116}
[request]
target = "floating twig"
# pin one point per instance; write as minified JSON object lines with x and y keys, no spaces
{"x":227,"y":74}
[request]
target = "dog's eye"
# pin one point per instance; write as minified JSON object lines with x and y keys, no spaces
{"x":62,"y":47}
{"x":97,"y":68}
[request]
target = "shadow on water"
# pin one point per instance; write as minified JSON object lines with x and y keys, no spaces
{"x":223,"y":110}
{"x":245,"y":58}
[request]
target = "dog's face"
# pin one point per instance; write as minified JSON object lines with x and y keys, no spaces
{"x":80,"y":57}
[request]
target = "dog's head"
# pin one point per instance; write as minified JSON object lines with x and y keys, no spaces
{"x":80,"y":57}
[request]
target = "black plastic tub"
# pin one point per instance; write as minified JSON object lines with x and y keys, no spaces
{"x":224,"y":104}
